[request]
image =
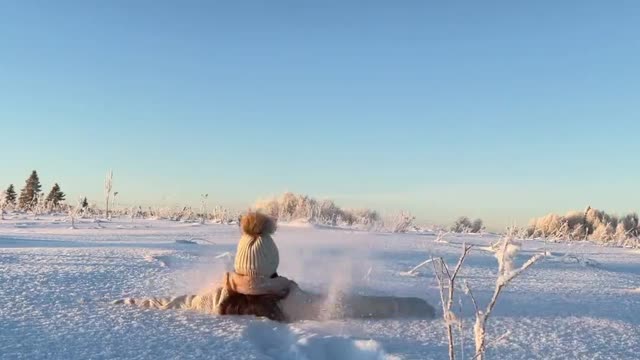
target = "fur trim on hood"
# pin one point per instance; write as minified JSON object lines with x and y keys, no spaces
{"x":257,"y":285}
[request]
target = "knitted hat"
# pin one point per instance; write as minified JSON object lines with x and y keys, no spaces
{"x":257,"y":254}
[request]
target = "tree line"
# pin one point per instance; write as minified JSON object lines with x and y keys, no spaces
{"x":31,"y":195}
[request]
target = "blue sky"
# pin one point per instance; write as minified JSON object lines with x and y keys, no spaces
{"x":501,"y":110}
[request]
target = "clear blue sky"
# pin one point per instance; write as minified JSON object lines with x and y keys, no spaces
{"x":503,"y":110}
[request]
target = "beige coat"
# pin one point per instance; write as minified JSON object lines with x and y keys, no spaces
{"x":297,"y":305}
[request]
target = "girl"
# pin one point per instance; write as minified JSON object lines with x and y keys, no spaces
{"x":255,"y":288}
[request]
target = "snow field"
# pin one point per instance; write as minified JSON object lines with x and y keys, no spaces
{"x":56,"y":285}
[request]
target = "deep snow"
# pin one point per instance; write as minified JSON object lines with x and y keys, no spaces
{"x":56,"y":285}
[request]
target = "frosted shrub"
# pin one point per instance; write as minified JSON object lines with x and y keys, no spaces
{"x":366,"y":217}
{"x":222,"y":215}
{"x":295,"y":206}
{"x":327,"y":212}
{"x":461,"y":225}
{"x":547,"y":225}
{"x":476,"y":226}
{"x":402,"y":222}
{"x":596,"y":218}
{"x":464,"y":225}
{"x":290,"y":206}
{"x":592,"y":224}
{"x":603,"y":233}
{"x":574,"y":219}
{"x":631,"y":225}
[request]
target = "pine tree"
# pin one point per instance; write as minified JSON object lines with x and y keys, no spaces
{"x":10,"y":195}
{"x":85,"y":203}
{"x":29,"y":194}
{"x":56,"y":196}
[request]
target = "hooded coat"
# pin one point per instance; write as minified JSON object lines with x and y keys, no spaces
{"x":297,"y":304}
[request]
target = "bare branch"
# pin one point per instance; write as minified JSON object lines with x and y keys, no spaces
{"x":524,"y":267}
{"x":467,"y":290}
{"x":413,"y":271}
{"x":465,"y":250}
{"x":438,"y":274}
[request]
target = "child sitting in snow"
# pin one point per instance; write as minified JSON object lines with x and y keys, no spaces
{"x":255,"y":288}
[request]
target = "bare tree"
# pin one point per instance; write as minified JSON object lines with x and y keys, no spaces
{"x":108,"y":187}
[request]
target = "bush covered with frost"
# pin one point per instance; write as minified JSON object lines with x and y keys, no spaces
{"x":591,"y":224}
{"x":464,"y":225}
{"x":290,"y":206}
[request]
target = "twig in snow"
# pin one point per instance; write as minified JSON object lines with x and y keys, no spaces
{"x":413,"y":271}
{"x":367,"y":276}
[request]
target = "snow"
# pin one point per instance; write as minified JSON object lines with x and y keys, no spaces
{"x":57,"y":284}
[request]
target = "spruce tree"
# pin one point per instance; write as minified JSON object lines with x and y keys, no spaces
{"x":29,"y":194}
{"x":56,"y":196}
{"x":85,"y":203}
{"x":52,"y":195}
{"x":10,"y":195}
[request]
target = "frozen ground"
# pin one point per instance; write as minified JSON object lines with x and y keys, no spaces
{"x":56,"y":285}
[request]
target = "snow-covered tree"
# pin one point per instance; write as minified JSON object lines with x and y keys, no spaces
{"x":29,"y":194}
{"x":55,"y":197}
{"x":3,"y":204}
{"x":84,"y":203}
{"x":10,"y":195}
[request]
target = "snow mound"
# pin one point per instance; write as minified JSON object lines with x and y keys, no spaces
{"x":284,"y":342}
